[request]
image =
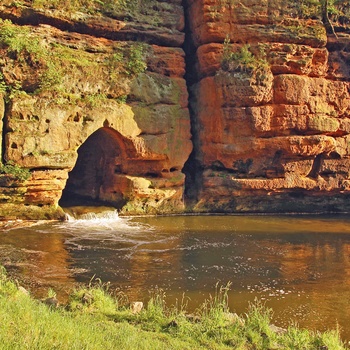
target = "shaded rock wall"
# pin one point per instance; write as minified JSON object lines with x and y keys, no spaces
{"x":97,"y":107}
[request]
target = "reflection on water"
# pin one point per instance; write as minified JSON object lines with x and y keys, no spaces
{"x":299,"y":265}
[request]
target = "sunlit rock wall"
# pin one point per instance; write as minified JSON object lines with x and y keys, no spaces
{"x":271,"y":135}
{"x":84,"y":73}
{"x":97,"y":105}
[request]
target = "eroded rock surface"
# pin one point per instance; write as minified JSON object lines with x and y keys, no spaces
{"x":96,"y":106}
{"x":271,"y":125}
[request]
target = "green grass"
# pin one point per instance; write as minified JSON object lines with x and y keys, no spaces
{"x":96,"y":319}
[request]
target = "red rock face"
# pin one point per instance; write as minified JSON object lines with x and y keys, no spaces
{"x":273,"y":138}
{"x":269,"y":96}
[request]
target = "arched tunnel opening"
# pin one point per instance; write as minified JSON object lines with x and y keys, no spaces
{"x":92,"y":181}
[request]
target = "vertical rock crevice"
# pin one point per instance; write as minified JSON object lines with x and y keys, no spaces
{"x":192,"y":166}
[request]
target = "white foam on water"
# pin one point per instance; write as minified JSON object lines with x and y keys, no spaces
{"x":92,"y":221}
{"x":110,"y":216}
{"x":99,"y":228}
{"x":95,"y":222}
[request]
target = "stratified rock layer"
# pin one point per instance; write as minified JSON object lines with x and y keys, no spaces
{"x":96,"y":106}
{"x":105,"y":130}
{"x":274,"y":137}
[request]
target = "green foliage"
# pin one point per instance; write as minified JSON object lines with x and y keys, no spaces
{"x":107,"y":7}
{"x":17,"y":172}
{"x":127,"y":60}
{"x":14,"y":90}
{"x":22,"y":48}
{"x":12,"y":36}
{"x":52,"y":76}
{"x":122,"y":99}
{"x":112,"y":7}
{"x":51,"y":293}
{"x":94,"y":100}
{"x":258,"y":317}
{"x":242,"y":60}
{"x":258,"y":320}
{"x":66,"y":5}
{"x":215,"y":307}
{"x":297,"y":339}
{"x":308,"y":8}
{"x":338,"y":10}
{"x":329,"y":340}
{"x":136,"y":60}
{"x":3,"y":86}
{"x":54,"y":64}
{"x":154,"y":316}
{"x":60,"y":61}
{"x":215,"y":10}
{"x":7,"y":287}
{"x":18,"y":40}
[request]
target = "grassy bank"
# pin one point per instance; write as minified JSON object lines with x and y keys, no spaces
{"x":95,"y":319}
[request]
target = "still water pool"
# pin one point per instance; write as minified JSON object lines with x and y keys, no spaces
{"x":298,"y":265}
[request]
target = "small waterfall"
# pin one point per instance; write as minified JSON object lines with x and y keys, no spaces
{"x":88,"y":220}
{"x":91,"y":213}
{"x":95,"y":217}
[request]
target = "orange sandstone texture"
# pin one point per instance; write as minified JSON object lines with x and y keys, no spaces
{"x":105,"y":134}
{"x":270,"y":128}
{"x":274,"y":138}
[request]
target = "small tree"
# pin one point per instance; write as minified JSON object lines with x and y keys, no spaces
{"x":325,"y":18}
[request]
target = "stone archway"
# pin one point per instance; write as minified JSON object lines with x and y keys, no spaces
{"x":92,"y":180}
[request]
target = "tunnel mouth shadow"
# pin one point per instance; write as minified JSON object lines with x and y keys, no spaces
{"x":95,"y":180}
{"x":70,"y":199}
{"x":77,"y":206}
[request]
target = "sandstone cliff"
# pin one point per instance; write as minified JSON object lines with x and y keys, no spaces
{"x":248,"y":101}
{"x":96,"y":100}
{"x":270,"y":101}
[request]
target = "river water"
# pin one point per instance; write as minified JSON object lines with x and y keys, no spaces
{"x":298,"y":265}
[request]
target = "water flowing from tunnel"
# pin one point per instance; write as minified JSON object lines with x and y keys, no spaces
{"x":108,"y":216}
